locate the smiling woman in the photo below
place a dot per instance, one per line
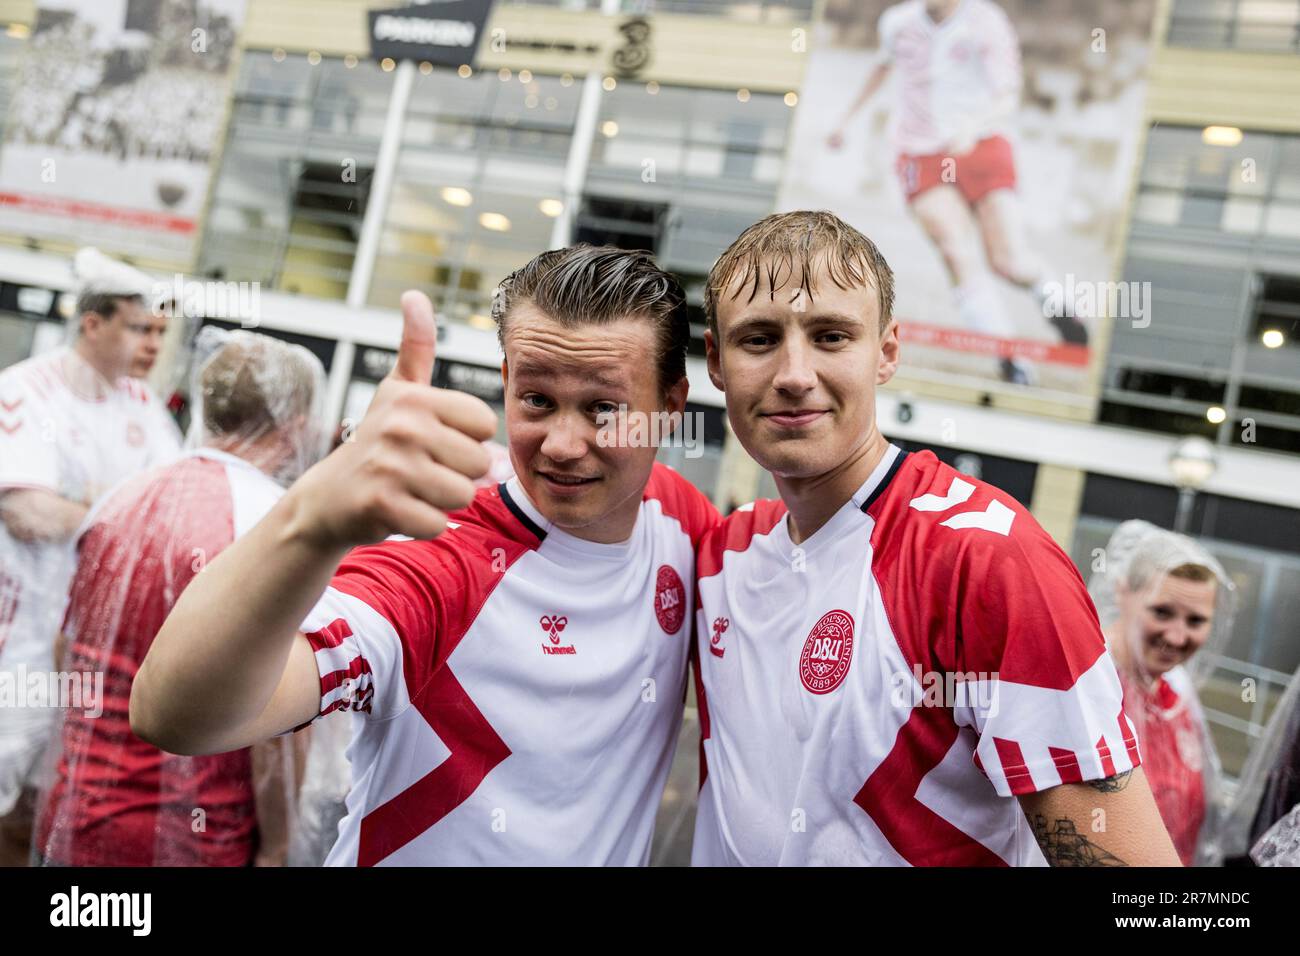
(1166, 607)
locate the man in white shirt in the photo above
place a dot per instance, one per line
(73, 422)
(903, 668)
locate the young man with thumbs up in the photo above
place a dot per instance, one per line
(515, 668)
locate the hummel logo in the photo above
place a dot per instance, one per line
(553, 624)
(720, 625)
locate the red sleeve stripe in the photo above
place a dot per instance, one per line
(356, 667)
(1013, 766)
(1067, 764)
(331, 635)
(330, 640)
(1130, 739)
(342, 702)
(1107, 764)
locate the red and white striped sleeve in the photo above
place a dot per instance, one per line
(374, 629)
(1043, 693)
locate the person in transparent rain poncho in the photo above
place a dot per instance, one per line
(74, 421)
(115, 799)
(1166, 608)
(1264, 820)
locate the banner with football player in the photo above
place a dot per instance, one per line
(987, 147)
(117, 111)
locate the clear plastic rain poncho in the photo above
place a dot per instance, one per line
(1265, 817)
(112, 798)
(1166, 607)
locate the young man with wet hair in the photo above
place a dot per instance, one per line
(898, 666)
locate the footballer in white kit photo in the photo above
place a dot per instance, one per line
(981, 143)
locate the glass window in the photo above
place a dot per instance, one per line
(709, 161)
(1248, 187)
(291, 193)
(1282, 654)
(1264, 25)
(478, 185)
(706, 140)
(770, 11)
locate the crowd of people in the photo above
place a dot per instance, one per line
(70, 96)
(386, 655)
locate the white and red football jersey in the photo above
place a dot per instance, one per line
(116, 800)
(517, 691)
(62, 428)
(831, 734)
(949, 72)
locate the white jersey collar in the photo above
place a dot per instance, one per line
(513, 492)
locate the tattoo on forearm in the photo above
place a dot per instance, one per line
(1112, 784)
(1063, 845)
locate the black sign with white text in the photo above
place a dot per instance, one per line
(442, 32)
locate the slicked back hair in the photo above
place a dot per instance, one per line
(103, 304)
(767, 253)
(593, 285)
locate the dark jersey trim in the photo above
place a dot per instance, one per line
(520, 514)
(884, 482)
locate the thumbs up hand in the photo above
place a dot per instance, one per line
(413, 458)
